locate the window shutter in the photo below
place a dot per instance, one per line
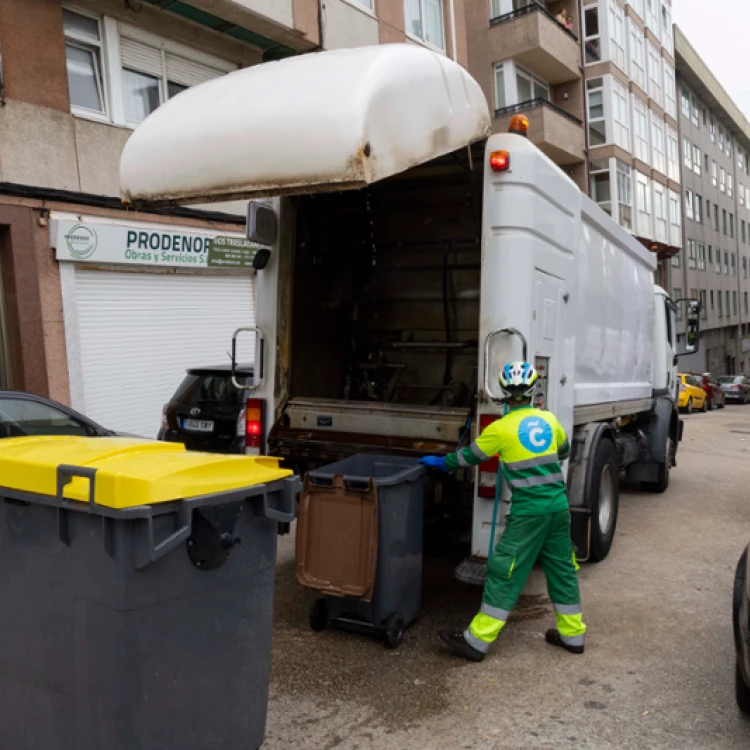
(189, 73)
(141, 57)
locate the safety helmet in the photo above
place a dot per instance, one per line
(518, 380)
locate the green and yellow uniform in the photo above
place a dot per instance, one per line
(530, 443)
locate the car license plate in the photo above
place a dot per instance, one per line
(197, 425)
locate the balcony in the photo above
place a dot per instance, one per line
(556, 132)
(534, 38)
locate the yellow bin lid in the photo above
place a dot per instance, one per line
(129, 471)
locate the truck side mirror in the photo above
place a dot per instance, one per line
(693, 325)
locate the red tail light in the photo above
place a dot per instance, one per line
(682, 387)
(736, 387)
(253, 424)
(488, 470)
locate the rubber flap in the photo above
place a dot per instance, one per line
(127, 472)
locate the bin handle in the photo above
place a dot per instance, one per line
(66, 473)
(285, 512)
(157, 551)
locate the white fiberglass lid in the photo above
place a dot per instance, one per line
(322, 121)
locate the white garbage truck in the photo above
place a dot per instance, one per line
(416, 254)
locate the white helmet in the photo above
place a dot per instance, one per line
(518, 380)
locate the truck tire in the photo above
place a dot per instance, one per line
(604, 494)
(662, 480)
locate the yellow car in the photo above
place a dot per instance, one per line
(692, 395)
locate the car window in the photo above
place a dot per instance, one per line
(21, 417)
(207, 389)
(726, 380)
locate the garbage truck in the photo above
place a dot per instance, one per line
(414, 254)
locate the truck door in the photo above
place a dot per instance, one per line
(549, 306)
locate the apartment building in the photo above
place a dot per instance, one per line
(102, 307)
(713, 266)
(597, 81)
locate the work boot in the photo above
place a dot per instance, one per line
(457, 643)
(553, 637)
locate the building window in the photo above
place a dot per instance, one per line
(701, 256)
(657, 139)
(731, 225)
(716, 217)
(729, 144)
(726, 264)
(726, 299)
(724, 220)
(711, 297)
(643, 202)
(741, 193)
(625, 195)
(530, 87)
(592, 35)
(424, 20)
(660, 213)
(712, 128)
(640, 130)
(744, 266)
(734, 303)
(695, 112)
(730, 185)
(687, 153)
(673, 163)
(637, 56)
(722, 180)
(718, 260)
(696, 159)
(667, 36)
(621, 118)
(675, 236)
(600, 184)
(747, 197)
(734, 265)
(689, 204)
(617, 32)
(719, 298)
(597, 122)
(704, 308)
(670, 104)
(500, 87)
(692, 255)
(740, 159)
(83, 57)
(745, 301)
(655, 74)
(698, 208)
(678, 295)
(708, 211)
(721, 138)
(742, 230)
(685, 100)
(714, 173)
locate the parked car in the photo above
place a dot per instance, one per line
(741, 626)
(208, 413)
(735, 387)
(23, 415)
(692, 396)
(714, 394)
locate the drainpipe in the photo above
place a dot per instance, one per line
(585, 118)
(2, 79)
(453, 29)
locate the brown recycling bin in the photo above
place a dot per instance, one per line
(359, 542)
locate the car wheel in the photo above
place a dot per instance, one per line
(704, 406)
(722, 404)
(689, 407)
(741, 690)
(710, 402)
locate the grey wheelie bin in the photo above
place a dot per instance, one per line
(136, 591)
(359, 542)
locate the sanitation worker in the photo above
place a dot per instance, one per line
(530, 443)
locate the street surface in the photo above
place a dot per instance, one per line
(658, 671)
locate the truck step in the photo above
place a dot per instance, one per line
(472, 570)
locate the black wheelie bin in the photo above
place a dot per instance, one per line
(359, 542)
(136, 582)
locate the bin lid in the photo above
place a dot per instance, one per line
(129, 472)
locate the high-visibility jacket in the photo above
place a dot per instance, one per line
(530, 443)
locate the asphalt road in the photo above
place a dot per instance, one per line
(658, 668)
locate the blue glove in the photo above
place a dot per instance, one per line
(435, 462)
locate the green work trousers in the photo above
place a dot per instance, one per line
(526, 539)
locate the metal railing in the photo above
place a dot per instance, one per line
(532, 7)
(515, 109)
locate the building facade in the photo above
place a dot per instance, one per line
(101, 307)
(713, 266)
(597, 80)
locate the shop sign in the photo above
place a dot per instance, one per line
(231, 252)
(128, 244)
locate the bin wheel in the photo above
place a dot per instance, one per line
(319, 615)
(394, 631)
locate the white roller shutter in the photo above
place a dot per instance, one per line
(141, 57)
(139, 332)
(187, 72)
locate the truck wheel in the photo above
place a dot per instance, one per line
(741, 691)
(604, 492)
(662, 481)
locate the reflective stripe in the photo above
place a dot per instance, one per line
(528, 463)
(495, 612)
(537, 481)
(475, 642)
(573, 640)
(462, 462)
(568, 609)
(478, 452)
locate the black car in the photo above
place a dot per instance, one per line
(23, 415)
(741, 622)
(208, 413)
